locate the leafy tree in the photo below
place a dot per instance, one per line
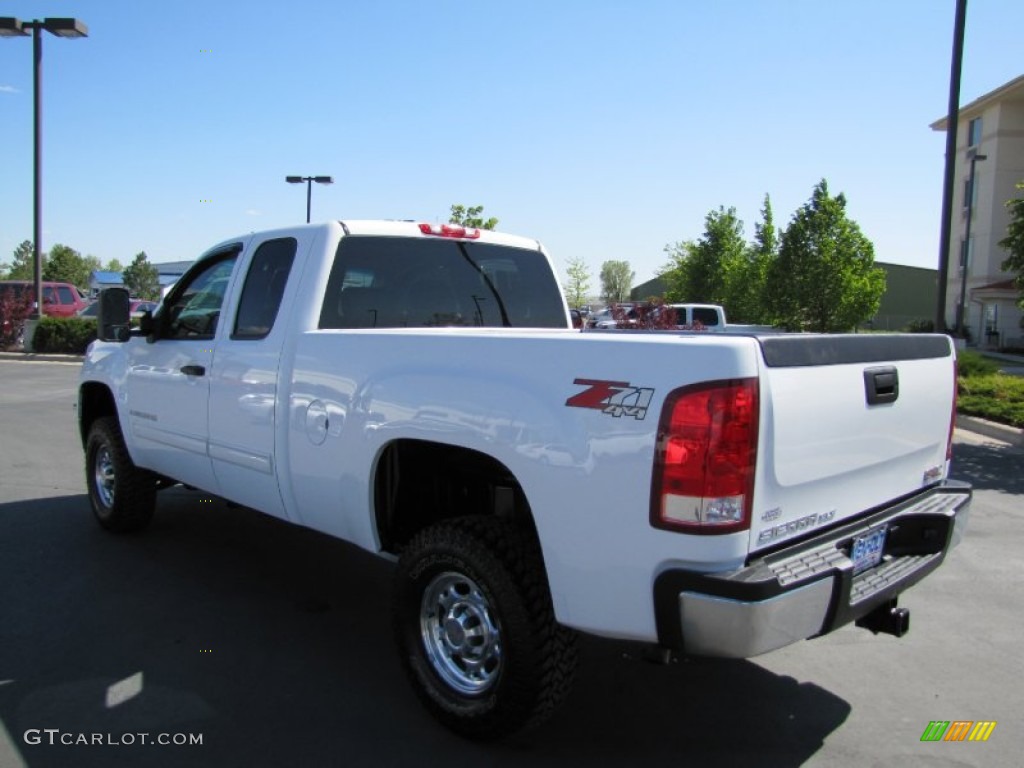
(577, 286)
(674, 274)
(824, 278)
(746, 298)
(1014, 242)
(141, 278)
(21, 267)
(114, 266)
(66, 265)
(471, 217)
(616, 280)
(713, 268)
(766, 236)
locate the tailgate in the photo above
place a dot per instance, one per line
(849, 423)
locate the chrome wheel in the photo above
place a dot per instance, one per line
(104, 476)
(460, 634)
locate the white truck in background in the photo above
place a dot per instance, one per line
(417, 390)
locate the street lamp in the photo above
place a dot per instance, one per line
(309, 186)
(61, 27)
(965, 250)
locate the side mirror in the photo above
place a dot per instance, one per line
(147, 326)
(113, 315)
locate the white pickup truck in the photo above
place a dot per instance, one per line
(417, 389)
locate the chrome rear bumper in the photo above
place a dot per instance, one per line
(809, 588)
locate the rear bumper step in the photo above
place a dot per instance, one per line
(810, 589)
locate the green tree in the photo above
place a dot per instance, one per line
(141, 278)
(66, 265)
(616, 280)
(471, 217)
(746, 295)
(114, 266)
(21, 266)
(1014, 242)
(824, 278)
(674, 274)
(577, 285)
(705, 269)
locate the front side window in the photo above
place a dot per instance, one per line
(264, 287)
(66, 297)
(408, 282)
(193, 310)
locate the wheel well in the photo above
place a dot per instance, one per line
(94, 402)
(419, 482)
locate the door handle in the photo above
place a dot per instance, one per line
(881, 385)
(193, 370)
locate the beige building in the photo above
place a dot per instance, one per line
(990, 138)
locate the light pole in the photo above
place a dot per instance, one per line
(966, 250)
(309, 186)
(12, 27)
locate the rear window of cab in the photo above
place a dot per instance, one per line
(403, 282)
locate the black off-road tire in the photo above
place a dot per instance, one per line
(123, 497)
(491, 575)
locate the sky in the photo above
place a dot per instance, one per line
(607, 130)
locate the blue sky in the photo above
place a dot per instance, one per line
(605, 129)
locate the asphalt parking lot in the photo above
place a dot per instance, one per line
(273, 643)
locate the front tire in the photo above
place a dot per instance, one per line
(123, 497)
(476, 631)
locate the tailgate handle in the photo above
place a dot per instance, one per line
(881, 385)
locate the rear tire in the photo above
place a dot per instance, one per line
(476, 630)
(123, 497)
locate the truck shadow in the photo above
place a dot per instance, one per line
(274, 643)
(989, 466)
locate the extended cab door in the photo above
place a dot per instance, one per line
(244, 409)
(168, 375)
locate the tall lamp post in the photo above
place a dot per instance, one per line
(309, 186)
(61, 27)
(966, 250)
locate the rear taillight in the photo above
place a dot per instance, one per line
(706, 454)
(450, 230)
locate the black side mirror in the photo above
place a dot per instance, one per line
(147, 325)
(113, 315)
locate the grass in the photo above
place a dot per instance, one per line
(984, 392)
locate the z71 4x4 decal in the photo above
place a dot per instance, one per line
(615, 398)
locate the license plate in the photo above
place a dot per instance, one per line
(866, 551)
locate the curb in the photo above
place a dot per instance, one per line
(34, 357)
(1007, 434)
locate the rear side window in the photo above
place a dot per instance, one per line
(264, 287)
(407, 282)
(705, 316)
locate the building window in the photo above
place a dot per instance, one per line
(966, 254)
(974, 132)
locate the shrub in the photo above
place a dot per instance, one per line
(921, 326)
(996, 397)
(14, 310)
(971, 364)
(64, 335)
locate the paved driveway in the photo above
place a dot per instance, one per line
(272, 643)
